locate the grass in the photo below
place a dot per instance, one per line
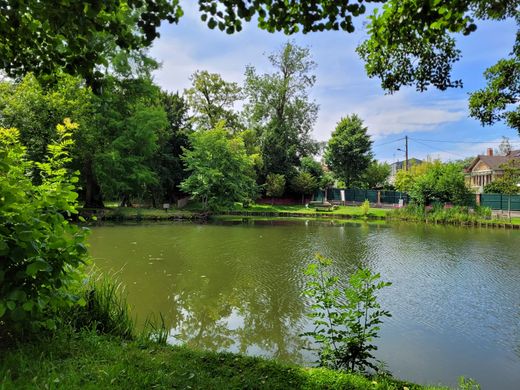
(88, 360)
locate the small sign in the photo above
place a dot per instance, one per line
(166, 206)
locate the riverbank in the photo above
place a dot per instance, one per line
(85, 359)
(296, 211)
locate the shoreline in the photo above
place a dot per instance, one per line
(157, 215)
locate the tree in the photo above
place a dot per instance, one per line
(442, 183)
(166, 162)
(72, 36)
(220, 171)
(411, 42)
(40, 250)
(304, 183)
(508, 183)
(310, 165)
(124, 167)
(274, 186)
(375, 176)
(405, 179)
(348, 153)
(212, 99)
(279, 109)
(499, 99)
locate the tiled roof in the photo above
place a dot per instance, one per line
(494, 162)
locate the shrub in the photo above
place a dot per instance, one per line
(40, 251)
(365, 207)
(346, 320)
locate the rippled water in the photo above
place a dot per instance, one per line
(455, 297)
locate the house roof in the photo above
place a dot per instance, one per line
(493, 162)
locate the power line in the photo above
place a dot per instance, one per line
(389, 142)
(461, 142)
(437, 149)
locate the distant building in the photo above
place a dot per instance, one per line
(399, 165)
(487, 168)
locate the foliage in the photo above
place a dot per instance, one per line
(304, 183)
(35, 110)
(279, 109)
(166, 162)
(499, 99)
(440, 214)
(411, 42)
(405, 179)
(278, 15)
(441, 183)
(220, 171)
(375, 176)
(124, 167)
(365, 208)
(72, 36)
(212, 99)
(310, 165)
(40, 251)
(508, 183)
(274, 185)
(346, 320)
(348, 153)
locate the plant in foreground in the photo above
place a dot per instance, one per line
(346, 320)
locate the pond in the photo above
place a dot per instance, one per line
(236, 286)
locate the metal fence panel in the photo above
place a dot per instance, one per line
(501, 202)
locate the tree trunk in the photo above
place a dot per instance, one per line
(125, 201)
(93, 197)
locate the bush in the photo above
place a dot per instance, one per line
(346, 320)
(365, 208)
(40, 251)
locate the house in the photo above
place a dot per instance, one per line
(399, 165)
(486, 168)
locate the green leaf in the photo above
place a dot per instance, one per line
(2, 309)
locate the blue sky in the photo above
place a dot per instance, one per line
(342, 87)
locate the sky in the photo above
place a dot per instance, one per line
(436, 122)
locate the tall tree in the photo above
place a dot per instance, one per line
(167, 162)
(348, 152)
(220, 171)
(212, 99)
(280, 111)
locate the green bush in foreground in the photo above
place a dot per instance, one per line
(346, 320)
(40, 251)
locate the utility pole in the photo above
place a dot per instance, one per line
(406, 153)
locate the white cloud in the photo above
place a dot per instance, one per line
(389, 114)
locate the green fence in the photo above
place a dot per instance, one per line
(359, 195)
(501, 202)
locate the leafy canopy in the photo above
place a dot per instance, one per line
(280, 111)
(73, 36)
(348, 153)
(220, 171)
(411, 42)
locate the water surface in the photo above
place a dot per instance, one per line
(455, 297)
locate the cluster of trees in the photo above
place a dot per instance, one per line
(434, 181)
(136, 141)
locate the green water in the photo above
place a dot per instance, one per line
(455, 297)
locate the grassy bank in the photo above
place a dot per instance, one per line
(194, 212)
(85, 359)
